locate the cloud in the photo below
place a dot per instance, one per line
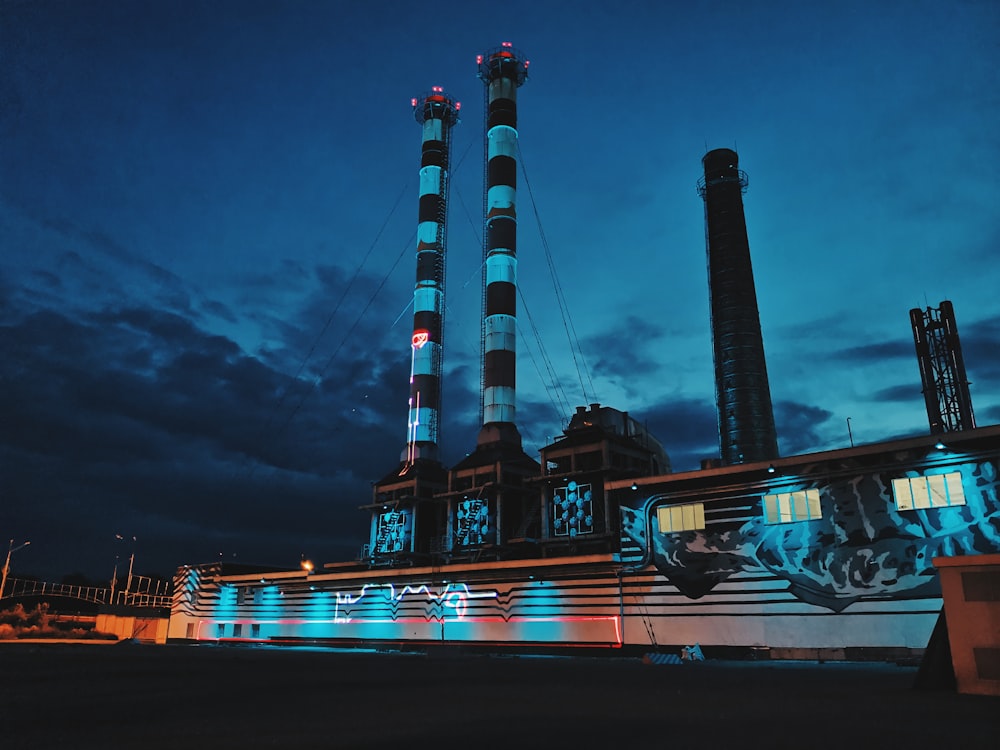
(989, 415)
(623, 354)
(876, 352)
(980, 342)
(903, 393)
(138, 417)
(687, 429)
(799, 426)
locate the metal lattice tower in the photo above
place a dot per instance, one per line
(942, 369)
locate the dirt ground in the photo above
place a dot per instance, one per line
(147, 697)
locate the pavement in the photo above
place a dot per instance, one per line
(129, 695)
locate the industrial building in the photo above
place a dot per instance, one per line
(598, 543)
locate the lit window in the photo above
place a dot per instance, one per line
(674, 518)
(936, 491)
(787, 507)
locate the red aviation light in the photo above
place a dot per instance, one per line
(437, 88)
(458, 106)
(413, 102)
(420, 337)
(506, 44)
(479, 59)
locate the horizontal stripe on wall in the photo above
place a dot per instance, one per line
(427, 360)
(499, 368)
(501, 298)
(501, 266)
(502, 234)
(501, 170)
(429, 320)
(430, 265)
(502, 112)
(429, 388)
(431, 207)
(501, 141)
(430, 180)
(434, 154)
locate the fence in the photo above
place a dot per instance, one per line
(147, 592)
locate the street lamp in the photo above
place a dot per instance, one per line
(11, 549)
(131, 561)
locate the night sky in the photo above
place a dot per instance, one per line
(208, 215)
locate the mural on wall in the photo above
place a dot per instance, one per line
(572, 510)
(474, 524)
(393, 534)
(861, 546)
(384, 600)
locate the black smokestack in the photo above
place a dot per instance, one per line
(746, 418)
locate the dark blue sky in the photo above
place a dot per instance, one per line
(207, 212)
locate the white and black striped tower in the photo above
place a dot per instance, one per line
(502, 70)
(437, 113)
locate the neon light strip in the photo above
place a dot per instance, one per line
(454, 596)
(411, 428)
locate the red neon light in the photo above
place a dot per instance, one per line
(420, 338)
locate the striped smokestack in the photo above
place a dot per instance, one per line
(743, 397)
(502, 70)
(436, 112)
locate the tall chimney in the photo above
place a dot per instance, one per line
(743, 397)
(502, 70)
(436, 112)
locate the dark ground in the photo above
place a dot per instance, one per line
(148, 697)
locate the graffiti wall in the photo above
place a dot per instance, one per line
(828, 552)
(835, 541)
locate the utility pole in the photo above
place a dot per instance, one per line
(128, 580)
(11, 549)
(131, 562)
